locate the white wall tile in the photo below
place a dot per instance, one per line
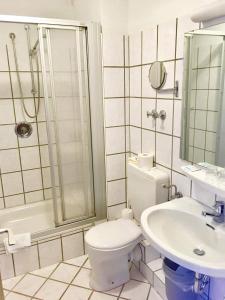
(32, 180)
(135, 82)
(44, 156)
(115, 140)
(46, 174)
(163, 157)
(12, 183)
(115, 166)
(34, 196)
(147, 106)
(42, 132)
(73, 245)
(114, 112)
(182, 182)
(135, 139)
(169, 82)
(165, 126)
(30, 158)
(29, 103)
(166, 40)
(12, 201)
(116, 192)
(50, 252)
(5, 85)
(6, 112)
(135, 112)
(149, 45)
(113, 82)
(6, 266)
(177, 118)
(8, 137)
(147, 90)
(9, 160)
(114, 212)
(148, 141)
(179, 77)
(26, 260)
(177, 162)
(199, 193)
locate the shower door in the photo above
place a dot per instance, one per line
(66, 91)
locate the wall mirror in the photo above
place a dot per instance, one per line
(157, 74)
(203, 107)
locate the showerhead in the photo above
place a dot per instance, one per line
(12, 35)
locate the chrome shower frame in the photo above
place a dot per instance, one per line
(94, 58)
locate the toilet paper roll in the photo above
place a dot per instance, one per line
(145, 160)
(127, 213)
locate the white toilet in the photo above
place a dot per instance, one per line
(111, 245)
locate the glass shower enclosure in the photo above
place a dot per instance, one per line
(70, 58)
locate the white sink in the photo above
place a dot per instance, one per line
(177, 227)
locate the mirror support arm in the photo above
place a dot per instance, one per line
(175, 89)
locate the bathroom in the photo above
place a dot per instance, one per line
(95, 127)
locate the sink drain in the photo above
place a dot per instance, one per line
(199, 252)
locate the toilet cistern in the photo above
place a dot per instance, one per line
(218, 214)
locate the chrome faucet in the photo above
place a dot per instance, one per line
(219, 212)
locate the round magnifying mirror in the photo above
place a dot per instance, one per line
(157, 74)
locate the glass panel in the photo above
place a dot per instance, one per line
(70, 131)
(202, 125)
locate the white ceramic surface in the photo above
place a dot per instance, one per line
(177, 227)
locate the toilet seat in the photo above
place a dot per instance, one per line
(113, 234)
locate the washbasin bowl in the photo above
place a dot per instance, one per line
(179, 231)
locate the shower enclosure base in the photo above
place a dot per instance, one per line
(50, 244)
(32, 218)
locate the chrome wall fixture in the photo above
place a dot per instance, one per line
(155, 115)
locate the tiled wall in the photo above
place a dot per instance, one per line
(25, 172)
(164, 43)
(128, 96)
(116, 123)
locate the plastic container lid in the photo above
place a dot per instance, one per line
(113, 234)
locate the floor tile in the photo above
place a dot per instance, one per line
(29, 285)
(65, 273)
(76, 293)
(115, 292)
(101, 296)
(87, 264)
(45, 272)
(154, 295)
(135, 290)
(77, 261)
(14, 296)
(82, 278)
(155, 264)
(51, 290)
(160, 274)
(135, 274)
(10, 283)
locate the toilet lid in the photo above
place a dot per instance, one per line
(113, 234)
